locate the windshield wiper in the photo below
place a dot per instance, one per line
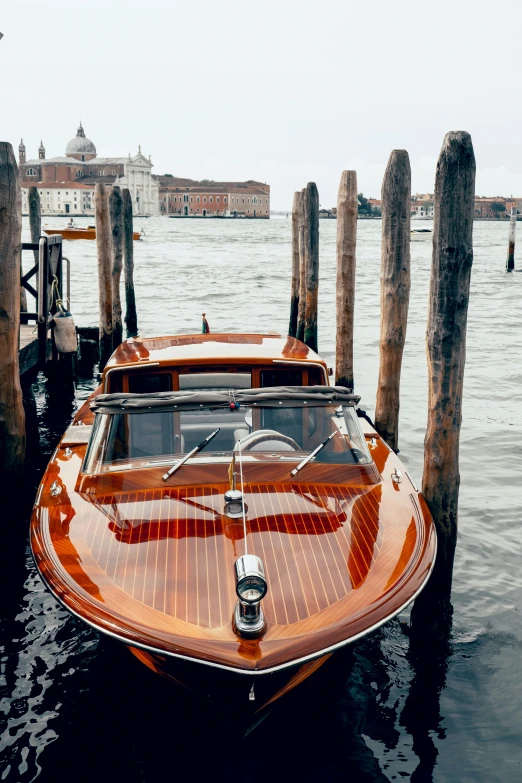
(312, 454)
(181, 462)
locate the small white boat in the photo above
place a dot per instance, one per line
(420, 233)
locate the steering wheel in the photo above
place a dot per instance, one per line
(253, 440)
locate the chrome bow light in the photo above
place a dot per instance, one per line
(234, 503)
(251, 587)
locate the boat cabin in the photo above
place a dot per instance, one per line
(198, 371)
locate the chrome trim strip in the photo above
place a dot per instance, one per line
(411, 481)
(248, 672)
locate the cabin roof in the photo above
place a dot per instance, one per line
(212, 348)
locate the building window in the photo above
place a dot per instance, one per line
(191, 199)
(217, 199)
(79, 173)
(90, 172)
(66, 192)
(210, 199)
(101, 173)
(197, 199)
(204, 199)
(31, 173)
(185, 198)
(225, 200)
(113, 171)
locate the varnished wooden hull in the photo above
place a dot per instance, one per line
(345, 548)
(80, 233)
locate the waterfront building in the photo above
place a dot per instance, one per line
(206, 198)
(66, 184)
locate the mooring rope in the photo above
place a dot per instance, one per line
(55, 293)
(243, 496)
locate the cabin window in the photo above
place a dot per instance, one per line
(140, 383)
(121, 441)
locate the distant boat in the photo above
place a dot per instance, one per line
(76, 232)
(420, 233)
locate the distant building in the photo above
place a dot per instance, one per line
(422, 206)
(206, 198)
(66, 184)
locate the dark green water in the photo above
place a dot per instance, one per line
(75, 706)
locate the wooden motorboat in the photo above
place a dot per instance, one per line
(79, 232)
(239, 568)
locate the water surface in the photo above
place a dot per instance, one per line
(76, 706)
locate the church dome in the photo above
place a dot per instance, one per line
(80, 145)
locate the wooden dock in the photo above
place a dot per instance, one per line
(28, 348)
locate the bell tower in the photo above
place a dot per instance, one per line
(21, 152)
(41, 151)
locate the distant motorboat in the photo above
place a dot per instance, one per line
(77, 232)
(420, 233)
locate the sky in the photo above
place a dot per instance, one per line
(281, 91)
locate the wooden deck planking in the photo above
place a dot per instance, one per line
(28, 348)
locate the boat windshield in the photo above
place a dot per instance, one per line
(130, 440)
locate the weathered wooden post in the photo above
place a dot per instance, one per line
(446, 349)
(116, 216)
(311, 250)
(395, 292)
(294, 294)
(347, 204)
(510, 263)
(103, 244)
(12, 418)
(131, 318)
(301, 305)
(35, 227)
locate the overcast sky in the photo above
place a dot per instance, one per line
(282, 91)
